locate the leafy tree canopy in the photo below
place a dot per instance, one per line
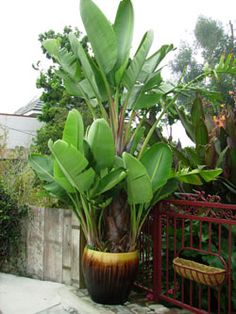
(56, 100)
(211, 41)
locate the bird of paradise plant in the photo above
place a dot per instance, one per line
(109, 174)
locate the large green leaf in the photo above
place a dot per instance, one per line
(153, 61)
(55, 190)
(85, 180)
(80, 89)
(110, 181)
(197, 111)
(70, 162)
(133, 71)
(61, 179)
(66, 59)
(169, 188)
(123, 26)
(158, 162)
(139, 186)
(154, 80)
(73, 133)
(209, 175)
(53, 46)
(187, 124)
(146, 101)
(43, 166)
(201, 133)
(190, 177)
(100, 34)
(136, 139)
(84, 59)
(194, 176)
(101, 142)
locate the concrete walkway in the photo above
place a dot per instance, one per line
(20, 295)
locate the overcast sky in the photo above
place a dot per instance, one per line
(22, 20)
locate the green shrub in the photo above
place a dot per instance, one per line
(11, 218)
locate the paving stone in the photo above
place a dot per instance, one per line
(158, 308)
(59, 309)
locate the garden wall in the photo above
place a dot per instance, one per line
(54, 246)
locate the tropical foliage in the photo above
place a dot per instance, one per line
(215, 140)
(110, 174)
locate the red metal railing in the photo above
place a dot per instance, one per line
(203, 232)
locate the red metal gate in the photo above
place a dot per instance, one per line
(199, 233)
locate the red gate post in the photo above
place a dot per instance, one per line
(157, 247)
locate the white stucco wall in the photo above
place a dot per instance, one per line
(19, 130)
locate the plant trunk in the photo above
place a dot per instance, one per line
(116, 224)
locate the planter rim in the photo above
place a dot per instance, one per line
(125, 256)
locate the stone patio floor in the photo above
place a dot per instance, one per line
(20, 295)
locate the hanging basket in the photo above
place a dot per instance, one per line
(203, 274)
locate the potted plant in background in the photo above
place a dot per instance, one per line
(109, 174)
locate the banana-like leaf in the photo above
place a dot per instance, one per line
(87, 69)
(110, 181)
(123, 26)
(62, 180)
(100, 33)
(101, 142)
(85, 180)
(133, 71)
(73, 133)
(191, 178)
(158, 162)
(53, 46)
(201, 133)
(169, 188)
(57, 191)
(146, 101)
(43, 166)
(194, 176)
(153, 61)
(118, 163)
(209, 175)
(139, 186)
(80, 89)
(154, 80)
(99, 80)
(82, 182)
(197, 111)
(70, 161)
(188, 126)
(136, 140)
(70, 64)
(66, 59)
(72, 87)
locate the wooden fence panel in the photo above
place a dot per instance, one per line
(35, 243)
(75, 250)
(53, 246)
(66, 248)
(53, 234)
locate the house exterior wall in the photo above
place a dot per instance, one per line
(18, 131)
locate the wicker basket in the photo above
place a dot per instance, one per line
(203, 274)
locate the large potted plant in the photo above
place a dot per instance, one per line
(109, 174)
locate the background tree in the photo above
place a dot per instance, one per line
(56, 100)
(211, 41)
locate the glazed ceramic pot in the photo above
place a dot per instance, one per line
(109, 276)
